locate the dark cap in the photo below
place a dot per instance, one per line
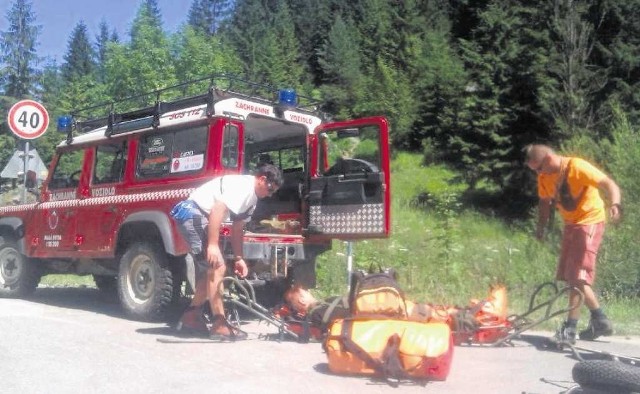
(271, 172)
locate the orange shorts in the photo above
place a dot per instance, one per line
(580, 244)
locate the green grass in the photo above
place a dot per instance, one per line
(67, 280)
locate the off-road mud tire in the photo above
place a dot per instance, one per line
(607, 376)
(145, 282)
(19, 276)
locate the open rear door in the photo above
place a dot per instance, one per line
(349, 189)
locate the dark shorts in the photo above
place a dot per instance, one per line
(193, 226)
(580, 244)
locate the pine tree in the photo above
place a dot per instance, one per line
(143, 65)
(264, 38)
(569, 101)
(312, 21)
(505, 62)
(18, 45)
(206, 16)
(79, 59)
(102, 41)
(82, 87)
(280, 61)
(198, 56)
(617, 52)
(341, 63)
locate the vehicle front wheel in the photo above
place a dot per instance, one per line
(145, 282)
(19, 277)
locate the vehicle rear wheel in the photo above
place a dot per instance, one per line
(19, 276)
(145, 282)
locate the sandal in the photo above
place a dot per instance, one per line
(192, 322)
(222, 330)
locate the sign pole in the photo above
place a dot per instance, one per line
(24, 175)
(349, 265)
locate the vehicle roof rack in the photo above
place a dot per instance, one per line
(118, 118)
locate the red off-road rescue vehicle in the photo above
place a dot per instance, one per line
(104, 208)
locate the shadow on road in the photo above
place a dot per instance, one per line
(540, 342)
(93, 300)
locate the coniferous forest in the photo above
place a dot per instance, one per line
(465, 83)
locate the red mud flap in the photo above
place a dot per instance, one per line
(390, 348)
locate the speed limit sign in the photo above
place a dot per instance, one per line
(28, 119)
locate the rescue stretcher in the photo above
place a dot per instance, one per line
(239, 295)
(517, 324)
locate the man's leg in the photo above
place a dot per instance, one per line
(575, 299)
(599, 324)
(590, 237)
(192, 319)
(200, 293)
(215, 289)
(590, 299)
(566, 272)
(221, 329)
(193, 231)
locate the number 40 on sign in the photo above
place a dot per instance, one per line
(28, 119)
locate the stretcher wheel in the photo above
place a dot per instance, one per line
(608, 376)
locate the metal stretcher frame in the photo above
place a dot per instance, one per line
(239, 293)
(522, 322)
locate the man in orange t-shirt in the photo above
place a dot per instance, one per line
(574, 186)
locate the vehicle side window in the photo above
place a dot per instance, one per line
(350, 151)
(287, 159)
(67, 172)
(110, 163)
(177, 152)
(230, 143)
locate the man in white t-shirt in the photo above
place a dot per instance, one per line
(226, 198)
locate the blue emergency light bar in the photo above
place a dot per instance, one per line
(287, 97)
(64, 123)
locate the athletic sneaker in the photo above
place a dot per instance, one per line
(564, 336)
(596, 328)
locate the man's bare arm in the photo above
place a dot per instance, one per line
(611, 189)
(217, 215)
(545, 205)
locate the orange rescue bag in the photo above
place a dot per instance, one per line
(390, 348)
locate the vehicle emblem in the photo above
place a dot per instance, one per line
(53, 220)
(157, 142)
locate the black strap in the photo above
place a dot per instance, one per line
(332, 306)
(389, 366)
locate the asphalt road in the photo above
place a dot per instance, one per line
(73, 340)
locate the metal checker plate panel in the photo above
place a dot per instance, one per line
(349, 219)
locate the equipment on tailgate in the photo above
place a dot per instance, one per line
(377, 294)
(389, 348)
